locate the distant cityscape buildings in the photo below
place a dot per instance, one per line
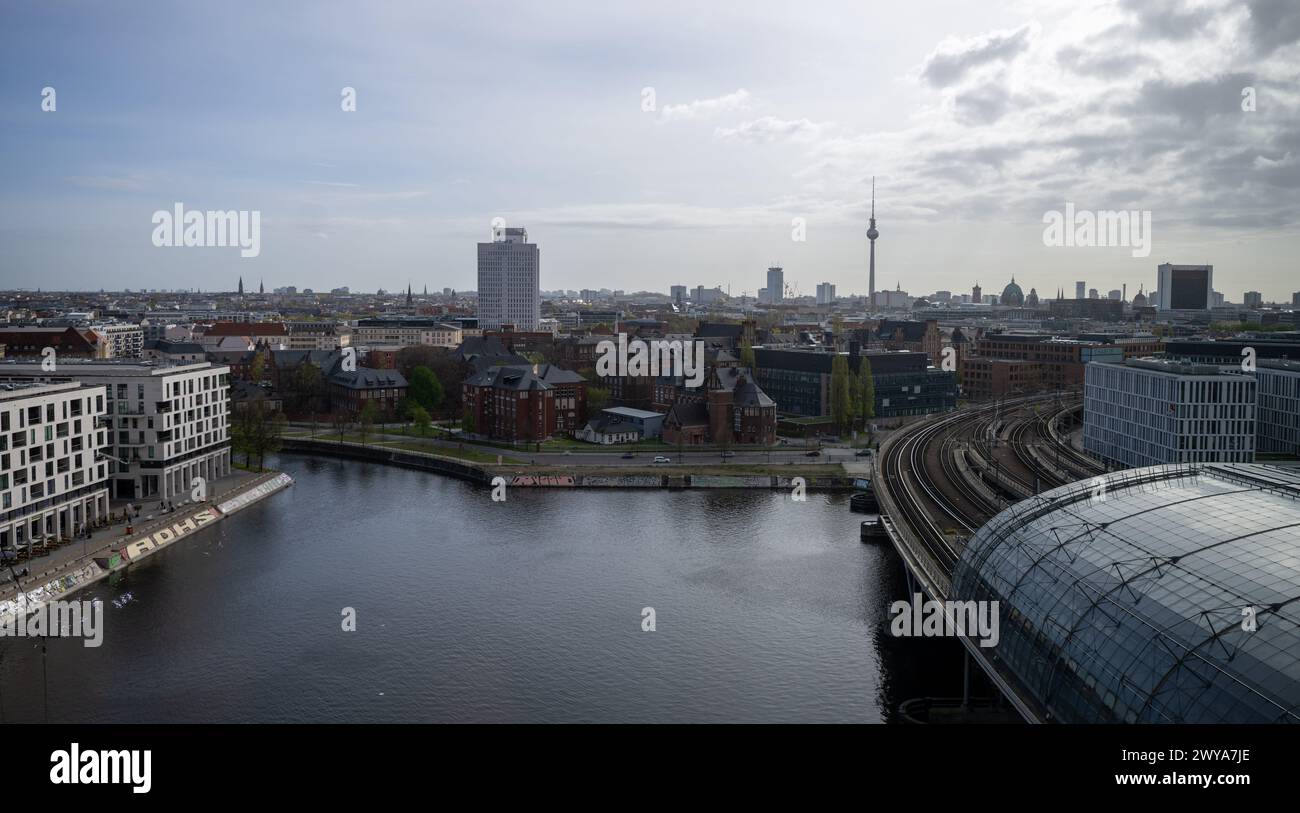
(509, 291)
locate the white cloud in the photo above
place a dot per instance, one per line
(703, 108)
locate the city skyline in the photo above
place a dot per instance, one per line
(975, 132)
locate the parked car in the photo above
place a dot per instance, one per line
(661, 459)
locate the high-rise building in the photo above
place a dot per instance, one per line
(825, 293)
(1184, 287)
(975, 293)
(678, 293)
(1295, 299)
(1253, 299)
(1079, 289)
(509, 281)
(1146, 412)
(775, 284)
(1115, 293)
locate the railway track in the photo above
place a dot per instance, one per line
(942, 513)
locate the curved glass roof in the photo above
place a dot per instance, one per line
(1128, 598)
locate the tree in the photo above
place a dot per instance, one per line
(256, 432)
(747, 356)
(597, 399)
(257, 368)
(535, 357)
(866, 392)
(449, 371)
(420, 418)
(841, 401)
(305, 387)
(468, 424)
(367, 419)
(425, 389)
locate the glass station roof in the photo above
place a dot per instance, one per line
(1161, 594)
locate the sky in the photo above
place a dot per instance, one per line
(650, 144)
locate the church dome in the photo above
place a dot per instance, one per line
(1012, 295)
(1140, 301)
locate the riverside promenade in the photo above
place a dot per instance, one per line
(73, 565)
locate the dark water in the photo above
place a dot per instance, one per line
(469, 610)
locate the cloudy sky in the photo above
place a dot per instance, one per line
(975, 118)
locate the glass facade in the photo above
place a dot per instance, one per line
(1160, 594)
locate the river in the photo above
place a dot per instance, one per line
(765, 610)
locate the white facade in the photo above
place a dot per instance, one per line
(1278, 417)
(119, 341)
(52, 477)
(826, 293)
(509, 281)
(167, 423)
(407, 333)
(1148, 412)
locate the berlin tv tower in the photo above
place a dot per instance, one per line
(872, 234)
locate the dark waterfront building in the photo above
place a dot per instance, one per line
(1131, 607)
(1229, 351)
(799, 381)
(1102, 310)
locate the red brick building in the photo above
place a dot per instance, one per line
(525, 403)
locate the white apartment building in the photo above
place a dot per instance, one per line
(52, 477)
(120, 340)
(1278, 416)
(168, 424)
(509, 281)
(826, 293)
(1146, 412)
(318, 335)
(406, 333)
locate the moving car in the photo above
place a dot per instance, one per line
(628, 455)
(813, 453)
(661, 459)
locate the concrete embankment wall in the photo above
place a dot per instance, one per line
(482, 475)
(396, 457)
(80, 574)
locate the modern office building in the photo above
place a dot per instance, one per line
(509, 281)
(1123, 599)
(775, 284)
(52, 477)
(167, 423)
(1184, 287)
(1278, 416)
(1253, 299)
(799, 381)
(1146, 412)
(825, 293)
(1079, 288)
